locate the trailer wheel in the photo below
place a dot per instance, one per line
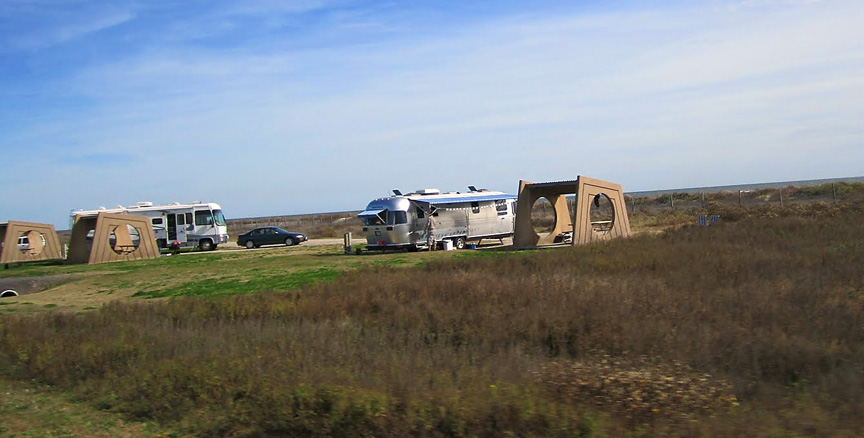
(289, 241)
(459, 243)
(250, 244)
(205, 245)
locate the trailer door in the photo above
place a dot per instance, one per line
(180, 223)
(506, 220)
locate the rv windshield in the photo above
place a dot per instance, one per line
(372, 220)
(205, 217)
(220, 218)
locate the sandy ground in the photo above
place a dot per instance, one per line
(232, 246)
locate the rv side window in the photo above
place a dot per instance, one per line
(203, 218)
(181, 219)
(188, 218)
(420, 213)
(475, 207)
(157, 221)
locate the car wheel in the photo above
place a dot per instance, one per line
(250, 244)
(289, 241)
(459, 243)
(205, 245)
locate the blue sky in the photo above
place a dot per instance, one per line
(287, 107)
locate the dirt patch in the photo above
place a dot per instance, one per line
(29, 285)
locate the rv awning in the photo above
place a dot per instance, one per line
(461, 199)
(370, 213)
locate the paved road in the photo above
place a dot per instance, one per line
(232, 246)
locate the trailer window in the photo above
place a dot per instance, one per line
(420, 213)
(401, 217)
(501, 207)
(475, 207)
(157, 221)
(181, 219)
(188, 218)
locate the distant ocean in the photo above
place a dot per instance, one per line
(737, 187)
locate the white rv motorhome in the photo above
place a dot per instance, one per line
(182, 225)
(428, 217)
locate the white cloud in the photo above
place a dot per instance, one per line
(652, 99)
(47, 32)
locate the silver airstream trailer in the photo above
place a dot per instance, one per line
(428, 217)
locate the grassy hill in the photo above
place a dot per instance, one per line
(749, 327)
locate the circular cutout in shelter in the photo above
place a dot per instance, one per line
(543, 216)
(31, 242)
(602, 214)
(124, 239)
(8, 293)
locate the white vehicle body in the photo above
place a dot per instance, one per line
(198, 224)
(403, 221)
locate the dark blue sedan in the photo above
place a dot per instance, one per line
(269, 236)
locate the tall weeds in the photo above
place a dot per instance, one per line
(761, 320)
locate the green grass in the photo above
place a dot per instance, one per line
(35, 411)
(210, 274)
(210, 288)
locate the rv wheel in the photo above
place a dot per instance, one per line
(250, 244)
(205, 245)
(459, 243)
(289, 241)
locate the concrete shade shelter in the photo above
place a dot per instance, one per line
(587, 191)
(112, 239)
(43, 243)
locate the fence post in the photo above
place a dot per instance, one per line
(703, 199)
(781, 197)
(672, 201)
(346, 243)
(834, 192)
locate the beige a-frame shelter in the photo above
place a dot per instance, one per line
(112, 241)
(586, 190)
(42, 242)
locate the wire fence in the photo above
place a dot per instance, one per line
(781, 196)
(316, 225)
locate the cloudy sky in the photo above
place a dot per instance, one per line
(285, 107)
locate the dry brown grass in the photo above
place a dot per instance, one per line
(771, 306)
(638, 388)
